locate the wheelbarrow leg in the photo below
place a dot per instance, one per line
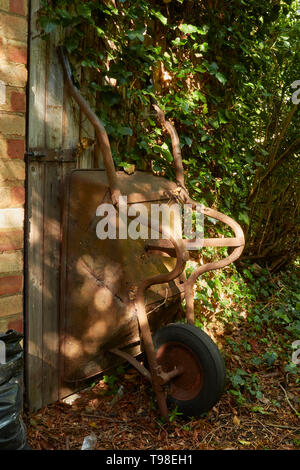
(155, 369)
(189, 303)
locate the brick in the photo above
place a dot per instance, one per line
(11, 285)
(3, 147)
(11, 124)
(11, 240)
(4, 197)
(11, 322)
(18, 102)
(11, 218)
(11, 305)
(4, 323)
(13, 27)
(17, 54)
(2, 93)
(11, 170)
(13, 74)
(17, 6)
(17, 196)
(11, 262)
(15, 148)
(12, 99)
(16, 323)
(4, 5)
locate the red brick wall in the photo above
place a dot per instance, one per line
(13, 77)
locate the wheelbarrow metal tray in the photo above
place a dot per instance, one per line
(99, 277)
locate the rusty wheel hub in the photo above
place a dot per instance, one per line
(188, 384)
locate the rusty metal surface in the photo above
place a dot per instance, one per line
(142, 370)
(165, 246)
(52, 155)
(175, 145)
(102, 275)
(187, 383)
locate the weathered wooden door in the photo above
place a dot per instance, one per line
(55, 127)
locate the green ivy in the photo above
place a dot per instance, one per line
(227, 71)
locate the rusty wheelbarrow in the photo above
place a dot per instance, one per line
(116, 291)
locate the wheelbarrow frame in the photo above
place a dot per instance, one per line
(178, 248)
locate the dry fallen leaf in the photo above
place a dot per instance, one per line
(129, 169)
(245, 443)
(236, 420)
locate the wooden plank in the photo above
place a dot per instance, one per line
(51, 288)
(87, 155)
(66, 169)
(54, 95)
(34, 282)
(87, 130)
(70, 121)
(34, 221)
(37, 77)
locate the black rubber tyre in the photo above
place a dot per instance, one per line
(201, 384)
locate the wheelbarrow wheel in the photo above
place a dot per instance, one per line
(201, 382)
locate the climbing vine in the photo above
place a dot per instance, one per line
(222, 71)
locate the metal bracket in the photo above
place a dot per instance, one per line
(52, 155)
(34, 154)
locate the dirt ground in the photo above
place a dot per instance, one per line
(132, 421)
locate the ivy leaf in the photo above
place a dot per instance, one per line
(100, 31)
(125, 131)
(188, 141)
(270, 357)
(71, 44)
(199, 96)
(178, 42)
(137, 34)
(214, 123)
(221, 78)
(204, 47)
(239, 68)
(64, 14)
(222, 118)
(244, 217)
(212, 68)
(84, 9)
(190, 29)
(48, 26)
(164, 151)
(159, 16)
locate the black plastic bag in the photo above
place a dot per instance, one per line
(12, 428)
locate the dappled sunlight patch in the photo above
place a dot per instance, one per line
(74, 349)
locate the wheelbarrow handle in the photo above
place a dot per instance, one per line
(101, 134)
(237, 242)
(175, 145)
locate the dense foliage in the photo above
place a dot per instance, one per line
(223, 73)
